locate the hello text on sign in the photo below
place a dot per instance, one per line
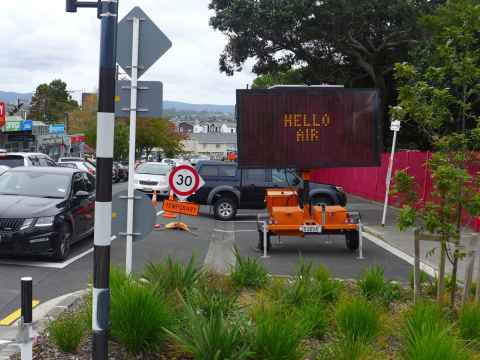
(308, 126)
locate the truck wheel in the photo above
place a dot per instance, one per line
(225, 209)
(321, 200)
(260, 241)
(352, 239)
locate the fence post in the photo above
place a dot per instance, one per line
(416, 266)
(471, 255)
(25, 327)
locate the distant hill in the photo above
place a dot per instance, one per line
(11, 97)
(181, 106)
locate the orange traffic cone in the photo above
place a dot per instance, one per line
(154, 199)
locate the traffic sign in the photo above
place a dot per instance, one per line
(144, 216)
(150, 99)
(185, 181)
(180, 207)
(153, 43)
(395, 125)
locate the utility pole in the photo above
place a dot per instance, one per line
(108, 14)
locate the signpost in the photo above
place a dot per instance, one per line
(140, 44)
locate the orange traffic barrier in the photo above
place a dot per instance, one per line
(169, 215)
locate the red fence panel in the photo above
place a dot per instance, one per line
(370, 183)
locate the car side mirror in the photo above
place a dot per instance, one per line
(80, 195)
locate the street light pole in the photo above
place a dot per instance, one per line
(107, 13)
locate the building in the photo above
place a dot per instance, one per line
(185, 128)
(213, 145)
(224, 127)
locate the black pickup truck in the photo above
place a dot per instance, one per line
(228, 188)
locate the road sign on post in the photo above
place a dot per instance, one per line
(153, 43)
(140, 44)
(185, 181)
(149, 99)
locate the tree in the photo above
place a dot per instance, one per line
(350, 42)
(290, 77)
(440, 93)
(51, 102)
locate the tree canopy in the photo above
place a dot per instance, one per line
(349, 42)
(51, 101)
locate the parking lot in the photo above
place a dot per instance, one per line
(211, 242)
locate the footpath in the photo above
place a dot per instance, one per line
(401, 243)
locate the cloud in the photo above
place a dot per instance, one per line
(41, 42)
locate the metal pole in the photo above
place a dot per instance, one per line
(360, 235)
(26, 319)
(131, 153)
(389, 178)
(103, 206)
(265, 241)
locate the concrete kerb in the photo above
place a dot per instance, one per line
(42, 316)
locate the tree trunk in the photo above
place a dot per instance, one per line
(441, 272)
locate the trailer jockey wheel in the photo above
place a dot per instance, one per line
(352, 239)
(260, 241)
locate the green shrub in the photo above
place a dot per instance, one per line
(277, 335)
(210, 301)
(427, 335)
(248, 273)
(315, 318)
(171, 276)
(424, 279)
(357, 320)
(469, 322)
(372, 283)
(211, 337)
(67, 331)
(139, 316)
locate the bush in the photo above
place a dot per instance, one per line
(469, 322)
(67, 331)
(372, 283)
(211, 337)
(139, 317)
(171, 276)
(315, 318)
(277, 335)
(210, 301)
(424, 279)
(357, 320)
(427, 335)
(248, 273)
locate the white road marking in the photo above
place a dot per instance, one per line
(3, 342)
(400, 254)
(220, 257)
(49, 265)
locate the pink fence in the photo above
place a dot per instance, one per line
(370, 183)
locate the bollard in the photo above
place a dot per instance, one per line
(25, 326)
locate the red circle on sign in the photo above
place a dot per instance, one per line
(195, 176)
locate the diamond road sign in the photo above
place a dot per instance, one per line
(153, 43)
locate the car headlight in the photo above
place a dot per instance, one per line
(26, 224)
(339, 188)
(44, 221)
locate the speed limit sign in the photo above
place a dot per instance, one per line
(185, 181)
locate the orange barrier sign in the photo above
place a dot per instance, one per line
(185, 208)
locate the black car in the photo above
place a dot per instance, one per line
(44, 210)
(228, 188)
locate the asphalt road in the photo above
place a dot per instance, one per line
(210, 241)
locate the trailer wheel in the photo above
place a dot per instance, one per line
(352, 239)
(260, 241)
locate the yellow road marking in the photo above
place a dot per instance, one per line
(14, 316)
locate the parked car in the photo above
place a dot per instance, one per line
(3, 169)
(43, 210)
(228, 188)
(152, 176)
(80, 165)
(16, 159)
(122, 171)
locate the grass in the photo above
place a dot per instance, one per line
(171, 276)
(138, 316)
(427, 336)
(277, 335)
(248, 273)
(211, 337)
(67, 331)
(372, 283)
(315, 318)
(469, 322)
(357, 320)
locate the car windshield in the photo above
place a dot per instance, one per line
(153, 169)
(12, 160)
(36, 184)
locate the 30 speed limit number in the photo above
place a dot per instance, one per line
(184, 180)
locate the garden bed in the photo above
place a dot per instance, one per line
(178, 312)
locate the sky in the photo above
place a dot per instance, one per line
(42, 43)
